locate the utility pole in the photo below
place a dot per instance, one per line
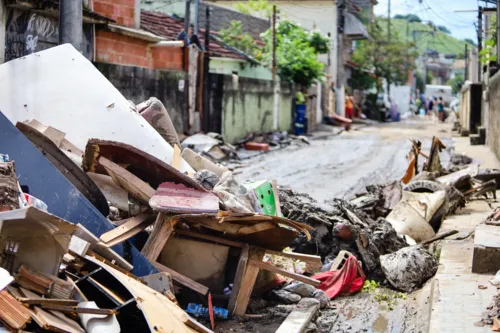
(479, 41)
(187, 17)
(466, 64)
(276, 83)
(70, 23)
(498, 32)
(206, 78)
(388, 79)
(340, 93)
(196, 13)
(274, 42)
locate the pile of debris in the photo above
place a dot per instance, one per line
(122, 227)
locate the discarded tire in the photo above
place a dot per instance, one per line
(429, 186)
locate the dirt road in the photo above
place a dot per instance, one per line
(343, 165)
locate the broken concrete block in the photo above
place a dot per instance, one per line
(299, 319)
(486, 256)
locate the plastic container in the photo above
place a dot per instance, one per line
(199, 310)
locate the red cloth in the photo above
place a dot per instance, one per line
(345, 281)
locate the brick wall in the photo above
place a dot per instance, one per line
(122, 11)
(114, 48)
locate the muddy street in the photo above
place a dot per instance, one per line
(340, 166)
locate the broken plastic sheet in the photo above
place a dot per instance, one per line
(59, 87)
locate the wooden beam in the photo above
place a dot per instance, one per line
(214, 239)
(132, 227)
(176, 159)
(233, 228)
(47, 301)
(293, 276)
(238, 278)
(181, 279)
(76, 309)
(297, 256)
(128, 181)
(163, 229)
(248, 282)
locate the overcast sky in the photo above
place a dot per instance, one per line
(441, 12)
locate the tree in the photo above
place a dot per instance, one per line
(408, 17)
(255, 6)
(420, 80)
(469, 41)
(456, 83)
(234, 36)
(444, 29)
(391, 61)
(296, 52)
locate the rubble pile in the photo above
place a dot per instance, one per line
(122, 227)
(492, 313)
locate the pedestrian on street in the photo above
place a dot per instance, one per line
(430, 106)
(349, 106)
(440, 110)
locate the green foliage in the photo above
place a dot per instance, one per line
(383, 59)
(408, 17)
(487, 54)
(456, 83)
(420, 80)
(439, 41)
(444, 29)
(319, 42)
(234, 36)
(255, 6)
(382, 295)
(296, 53)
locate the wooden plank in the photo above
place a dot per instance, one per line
(248, 282)
(300, 317)
(176, 159)
(233, 228)
(163, 229)
(14, 291)
(54, 135)
(293, 276)
(190, 322)
(78, 246)
(47, 301)
(99, 248)
(107, 262)
(78, 295)
(297, 256)
(76, 309)
(56, 322)
(13, 313)
(157, 309)
(131, 183)
(238, 278)
(129, 229)
(183, 280)
(214, 239)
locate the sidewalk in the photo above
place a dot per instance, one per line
(457, 302)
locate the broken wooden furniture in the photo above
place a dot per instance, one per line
(194, 249)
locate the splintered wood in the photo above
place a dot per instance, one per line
(12, 313)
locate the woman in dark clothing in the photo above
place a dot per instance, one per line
(440, 109)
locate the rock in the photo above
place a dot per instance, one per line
(300, 288)
(408, 268)
(311, 328)
(322, 297)
(286, 297)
